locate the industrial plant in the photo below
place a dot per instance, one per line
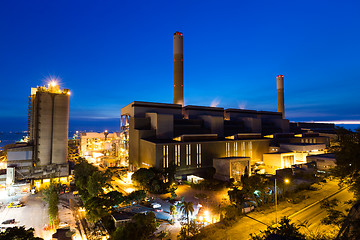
(234, 142)
(43, 154)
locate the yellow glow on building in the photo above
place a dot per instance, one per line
(37, 183)
(63, 179)
(269, 136)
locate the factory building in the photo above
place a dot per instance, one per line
(195, 139)
(45, 153)
(323, 162)
(164, 135)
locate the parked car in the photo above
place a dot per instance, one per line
(63, 224)
(9, 221)
(15, 205)
(155, 205)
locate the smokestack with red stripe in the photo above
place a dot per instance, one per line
(280, 95)
(178, 69)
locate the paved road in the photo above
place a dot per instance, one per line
(315, 214)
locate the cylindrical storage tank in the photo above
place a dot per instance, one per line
(44, 120)
(178, 69)
(60, 128)
(280, 95)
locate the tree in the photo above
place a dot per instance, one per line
(347, 153)
(91, 183)
(136, 196)
(237, 197)
(172, 192)
(173, 212)
(51, 196)
(140, 228)
(19, 233)
(334, 217)
(96, 208)
(142, 177)
(114, 198)
(82, 171)
(189, 230)
(283, 231)
(187, 208)
(255, 187)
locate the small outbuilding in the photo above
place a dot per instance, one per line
(324, 162)
(122, 217)
(63, 234)
(231, 167)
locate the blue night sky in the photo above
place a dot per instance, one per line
(110, 53)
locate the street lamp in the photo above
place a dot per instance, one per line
(286, 180)
(106, 133)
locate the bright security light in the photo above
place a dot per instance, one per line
(53, 83)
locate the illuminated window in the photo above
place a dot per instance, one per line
(227, 149)
(250, 148)
(198, 155)
(235, 149)
(314, 140)
(177, 155)
(288, 161)
(165, 156)
(243, 149)
(188, 154)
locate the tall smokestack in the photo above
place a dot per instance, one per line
(280, 94)
(178, 69)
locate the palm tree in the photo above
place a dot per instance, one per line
(187, 208)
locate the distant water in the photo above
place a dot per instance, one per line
(10, 137)
(352, 127)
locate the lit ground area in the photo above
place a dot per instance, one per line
(214, 197)
(34, 214)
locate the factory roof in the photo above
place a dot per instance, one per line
(154, 104)
(166, 141)
(193, 107)
(325, 155)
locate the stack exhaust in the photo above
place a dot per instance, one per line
(280, 94)
(178, 69)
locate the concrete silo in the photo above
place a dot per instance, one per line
(48, 125)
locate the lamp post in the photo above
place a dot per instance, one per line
(275, 203)
(285, 181)
(106, 133)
